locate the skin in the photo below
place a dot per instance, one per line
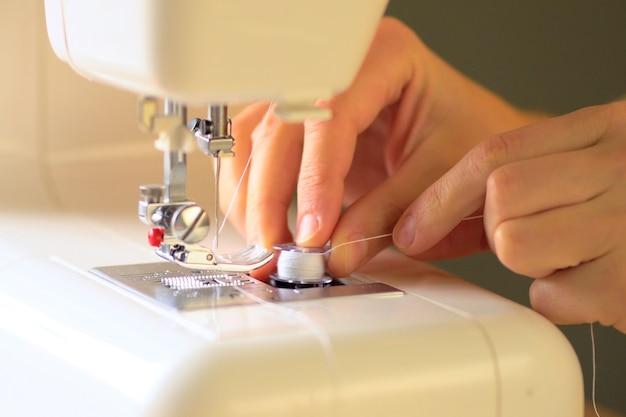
(415, 147)
(554, 200)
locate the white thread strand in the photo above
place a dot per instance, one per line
(243, 175)
(232, 200)
(303, 265)
(384, 235)
(218, 169)
(359, 240)
(593, 370)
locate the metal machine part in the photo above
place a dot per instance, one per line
(213, 136)
(190, 224)
(186, 289)
(178, 224)
(201, 258)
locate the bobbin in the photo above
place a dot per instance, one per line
(300, 267)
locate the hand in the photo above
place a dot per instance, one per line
(406, 119)
(554, 198)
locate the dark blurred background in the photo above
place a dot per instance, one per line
(551, 55)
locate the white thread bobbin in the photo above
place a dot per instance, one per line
(304, 266)
(301, 266)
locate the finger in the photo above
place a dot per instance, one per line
(376, 212)
(358, 223)
(329, 145)
(462, 190)
(532, 186)
(540, 244)
(595, 291)
(467, 238)
(369, 167)
(233, 185)
(272, 179)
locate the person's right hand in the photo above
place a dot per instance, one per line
(553, 198)
(406, 119)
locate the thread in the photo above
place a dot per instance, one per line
(236, 191)
(308, 264)
(224, 219)
(384, 235)
(301, 265)
(245, 171)
(216, 212)
(296, 263)
(360, 240)
(593, 370)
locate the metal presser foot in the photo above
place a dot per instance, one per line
(198, 257)
(178, 225)
(177, 230)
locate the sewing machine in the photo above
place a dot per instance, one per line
(92, 322)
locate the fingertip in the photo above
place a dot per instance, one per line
(550, 298)
(268, 238)
(263, 273)
(337, 267)
(348, 257)
(404, 233)
(307, 230)
(410, 237)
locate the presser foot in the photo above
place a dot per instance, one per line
(193, 256)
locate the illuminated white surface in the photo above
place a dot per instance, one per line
(444, 346)
(200, 51)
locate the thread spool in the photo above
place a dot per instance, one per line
(301, 267)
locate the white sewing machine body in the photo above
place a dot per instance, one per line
(400, 338)
(75, 344)
(201, 52)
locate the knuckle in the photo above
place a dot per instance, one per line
(492, 153)
(506, 252)
(501, 184)
(317, 187)
(616, 114)
(509, 243)
(314, 180)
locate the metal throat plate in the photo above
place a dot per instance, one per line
(184, 289)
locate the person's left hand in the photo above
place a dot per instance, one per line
(554, 201)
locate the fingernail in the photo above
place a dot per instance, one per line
(404, 233)
(307, 228)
